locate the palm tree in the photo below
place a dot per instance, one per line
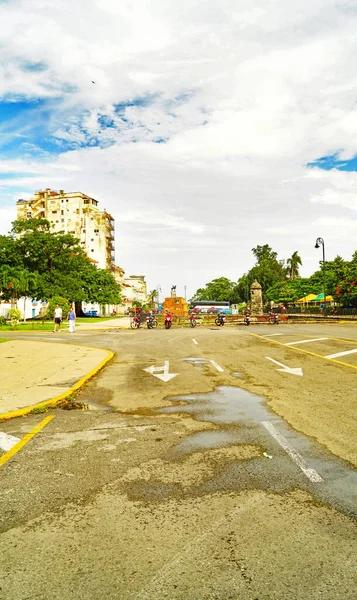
(293, 264)
(17, 282)
(151, 297)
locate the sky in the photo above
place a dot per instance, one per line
(209, 128)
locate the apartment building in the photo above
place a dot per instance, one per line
(78, 214)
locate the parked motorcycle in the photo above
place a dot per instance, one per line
(220, 320)
(193, 320)
(151, 322)
(274, 318)
(135, 322)
(168, 320)
(247, 320)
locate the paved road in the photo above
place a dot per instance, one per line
(209, 471)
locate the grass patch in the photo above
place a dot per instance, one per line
(95, 319)
(39, 410)
(3, 340)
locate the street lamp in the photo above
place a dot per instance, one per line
(320, 242)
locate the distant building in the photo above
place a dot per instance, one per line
(134, 289)
(77, 214)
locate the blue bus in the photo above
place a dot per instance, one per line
(211, 307)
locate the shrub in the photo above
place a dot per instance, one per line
(15, 315)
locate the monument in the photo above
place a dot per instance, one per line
(256, 298)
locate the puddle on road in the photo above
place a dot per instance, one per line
(238, 416)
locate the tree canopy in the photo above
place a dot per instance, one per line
(281, 282)
(39, 263)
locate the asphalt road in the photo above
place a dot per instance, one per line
(210, 467)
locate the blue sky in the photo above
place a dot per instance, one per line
(205, 133)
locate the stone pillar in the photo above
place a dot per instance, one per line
(256, 298)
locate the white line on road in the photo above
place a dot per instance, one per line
(195, 342)
(305, 341)
(341, 353)
(295, 456)
(216, 366)
(7, 441)
(272, 334)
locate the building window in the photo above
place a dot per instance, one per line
(62, 220)
(96, 231)
(92, 250)
(83, 230)
(28, 215)
(92, 240)
(54, 212)
(86, 201)
(66, 200)
(77, 211)
(94, 202)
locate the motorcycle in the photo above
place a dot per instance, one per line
(247, 320)
(274, 318)
(220, 320)
(193, 320)
(151, 322)
(168, 320)
(135, 322)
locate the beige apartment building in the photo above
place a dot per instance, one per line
(78, 214)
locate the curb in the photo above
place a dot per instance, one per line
(53, 401)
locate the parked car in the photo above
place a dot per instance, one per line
(91, 313)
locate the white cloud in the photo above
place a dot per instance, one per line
(244, 96)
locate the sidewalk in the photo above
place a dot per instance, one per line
(123, 323)
(36, 372)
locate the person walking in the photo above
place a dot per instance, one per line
(57, 318)
(71, 318)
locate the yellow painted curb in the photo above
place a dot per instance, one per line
(53, 401)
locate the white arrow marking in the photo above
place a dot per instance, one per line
(161, 372)
(195, 342)
(7, 441)
(285, 369)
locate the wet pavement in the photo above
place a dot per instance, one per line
(241, 419)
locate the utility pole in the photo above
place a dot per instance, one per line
(185, 288)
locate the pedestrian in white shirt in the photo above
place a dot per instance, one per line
(57, 318)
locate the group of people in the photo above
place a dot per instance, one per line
(58, 318)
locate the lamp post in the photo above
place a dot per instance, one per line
(320, 242)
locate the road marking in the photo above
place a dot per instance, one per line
(285, 369)
(216, 366)
(337, 362)
(341, 353)
(294, 455)
(274, 334)
(28, 437)
(305, 341)
(161, 372)
(7, 441)
(195, 342)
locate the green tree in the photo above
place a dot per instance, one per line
(268, 270)
(52, 303)
(293, 264)
(219, 290)
(291, 290)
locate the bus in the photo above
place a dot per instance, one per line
(210, 306)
